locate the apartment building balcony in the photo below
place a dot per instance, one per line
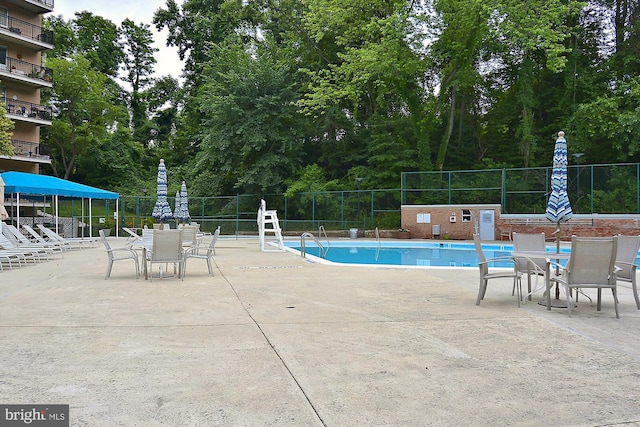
(31, 152)
(24, 72)
(25, 33)
(28, 112)
(36, 6)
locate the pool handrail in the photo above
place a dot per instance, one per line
(303, 249)
(322, 231)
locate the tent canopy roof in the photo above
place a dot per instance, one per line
(44, 185)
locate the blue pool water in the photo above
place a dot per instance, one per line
(433, 254)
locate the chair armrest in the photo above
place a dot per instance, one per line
(124, 248)
(632, 265)
(500, 259)
(196, 248)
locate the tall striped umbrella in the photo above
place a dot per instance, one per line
(183, 214)
(559, 207)
(162, 210)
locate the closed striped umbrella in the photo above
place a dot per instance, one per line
(184, 204)
(558, 206)
(162, 210)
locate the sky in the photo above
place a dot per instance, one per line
(139, 12)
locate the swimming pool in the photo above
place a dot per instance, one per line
(405, 254)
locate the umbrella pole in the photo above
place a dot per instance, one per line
(557, 233)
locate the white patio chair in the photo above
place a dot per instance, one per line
(626, 255)
(592, 265)
(485, 275)
(166, 249)
(189, 237)
(113, 255)
(203, 251)
(524, 242)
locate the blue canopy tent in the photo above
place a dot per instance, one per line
(21, 183)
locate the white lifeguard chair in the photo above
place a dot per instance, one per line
(269, 227)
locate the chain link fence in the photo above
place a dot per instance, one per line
(592, 189)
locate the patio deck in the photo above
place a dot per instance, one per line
(274, 340)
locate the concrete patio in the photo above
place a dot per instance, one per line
(275, 340)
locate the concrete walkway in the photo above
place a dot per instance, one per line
(274, 340)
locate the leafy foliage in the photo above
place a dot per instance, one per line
(278, 93)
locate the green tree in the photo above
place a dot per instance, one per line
(249, 138)
(98, 41)
(85, 112)
(369, 73)
(455, 55)
(138, 65)
(530, 37)
(6, 132)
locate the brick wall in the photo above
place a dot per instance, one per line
(454, 226)
(579, 226)
(453, 222)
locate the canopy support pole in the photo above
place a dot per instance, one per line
(90, 220)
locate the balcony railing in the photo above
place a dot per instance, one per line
(31, 149)
(48, 3)
(27, 29)
(28, 109)
(27, 69)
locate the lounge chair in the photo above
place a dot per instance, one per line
(485, 275)
(132, 234)
(112, 254)
(523, 242)
(9, 248)
(626, 255)
(592, 264)
(23, 242)
(36, 237)
(77, 242)
(203, 251)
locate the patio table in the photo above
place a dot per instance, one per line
(549, 257)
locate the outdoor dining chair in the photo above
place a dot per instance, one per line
(485, 275)
(626, 255)
(203, 251)
(529, 242)
(118, 254)
(165, 249)
(189, 237)
(592, 264)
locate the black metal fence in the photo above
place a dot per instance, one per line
(334, 210)
(602, 189)
(611, 188)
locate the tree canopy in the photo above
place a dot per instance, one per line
(277, 93)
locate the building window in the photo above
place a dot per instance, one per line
(466, 215)
(4, 17)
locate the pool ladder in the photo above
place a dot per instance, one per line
(303, 248)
